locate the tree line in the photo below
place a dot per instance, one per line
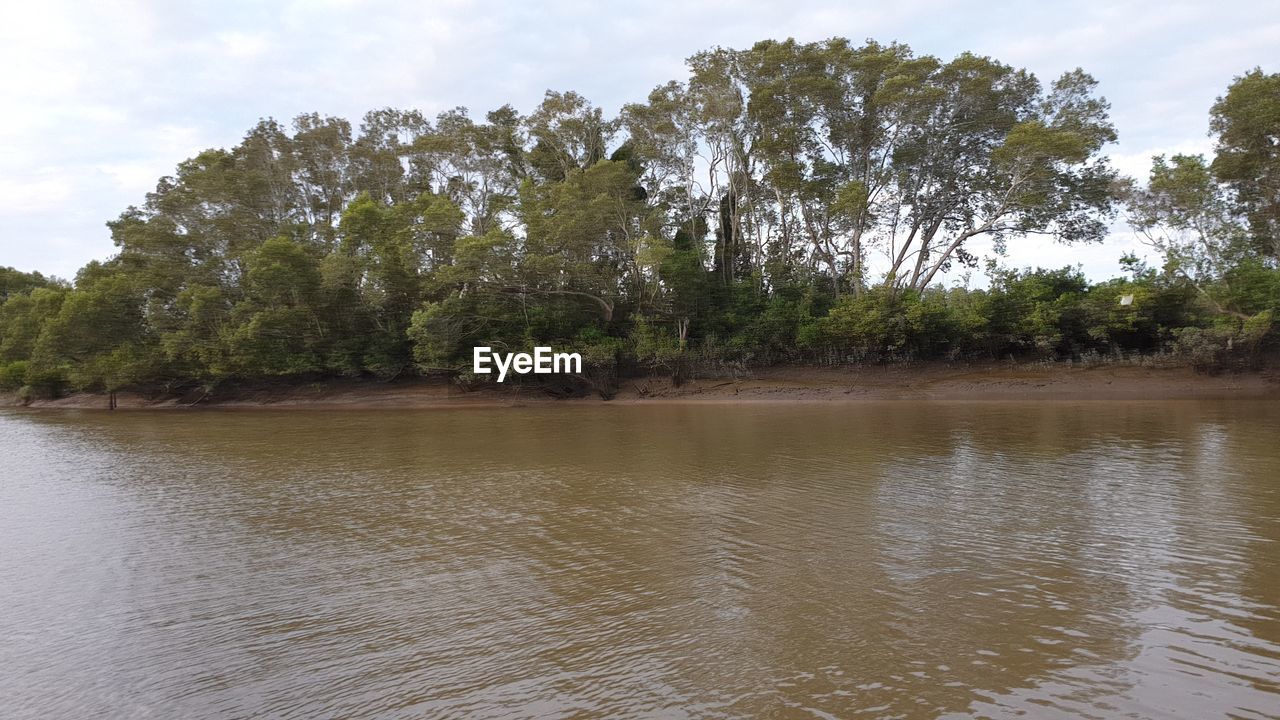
(790, 202)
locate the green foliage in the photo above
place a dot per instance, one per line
(1031, 313)
(437, 336)
(13, 375)
(15, 282)
(655, 344)
(1251, 287)
(725, 221)
(884, 324)
(1225, 347)
(1185, 215)
(1205, 349)
(1247, 122)
(1256, 330)
(97, 338)
(23, 316)
(772, 333)
(276, 328)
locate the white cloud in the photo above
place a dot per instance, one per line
(1138, 164)
(102, 99)
(35, 194)
(242, 45)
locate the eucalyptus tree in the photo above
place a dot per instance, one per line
(874, 95)
(1184, 214)
(737, 205)
(998, 157)
(664, 140)
(1247, 123)
(719, 97)
(664, 137)
(379, 275)
(568, 133)
(827, 119)
(476, 166)
(584, 236)
(382, 158)
(322, 172)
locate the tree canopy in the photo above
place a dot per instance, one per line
(788, 201)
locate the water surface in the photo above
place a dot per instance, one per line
(905, 560)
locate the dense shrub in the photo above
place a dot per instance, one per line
(13, 375)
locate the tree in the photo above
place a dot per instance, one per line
(727, 218)
(98, 339)
(1247, 123)
(276, 329)
(999, 158)
(14, 282)
(1186, 216)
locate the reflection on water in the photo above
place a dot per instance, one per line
(872, 560)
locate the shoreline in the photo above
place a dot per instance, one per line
(781, 384)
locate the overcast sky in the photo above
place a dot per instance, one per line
(98, 100)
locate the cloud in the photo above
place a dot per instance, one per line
(37, 194)
(1138, 164)
(102, 99)
(244, 46)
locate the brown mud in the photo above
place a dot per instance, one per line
(786, 384)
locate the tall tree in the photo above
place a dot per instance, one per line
(1186, 215)
(1247, 123)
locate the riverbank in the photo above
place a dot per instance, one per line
(779, 384)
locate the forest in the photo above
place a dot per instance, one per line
(787, 203)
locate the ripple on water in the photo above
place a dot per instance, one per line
(878, 560)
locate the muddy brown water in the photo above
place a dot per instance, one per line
(897, 559)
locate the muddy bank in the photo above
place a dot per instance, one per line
(779, 384)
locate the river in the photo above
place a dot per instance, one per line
(877, 559)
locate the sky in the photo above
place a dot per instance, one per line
(99, 100)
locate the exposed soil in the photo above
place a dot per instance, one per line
(779, 384)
